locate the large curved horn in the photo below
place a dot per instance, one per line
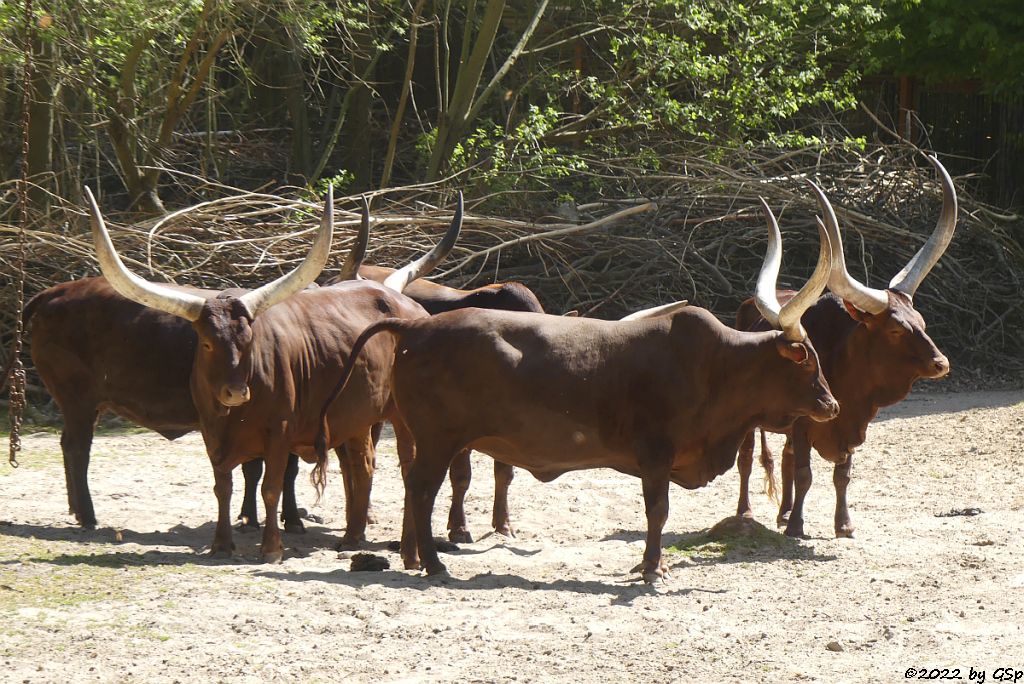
(350, 269)
(656, 311)
(793, 310)
(131, 286)
(261, 299)
(909, 279)
(787, 317)
(401, 278)
(840, 281)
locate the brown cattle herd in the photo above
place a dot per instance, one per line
(670, 395)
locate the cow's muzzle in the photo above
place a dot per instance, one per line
(234, 395)
(938, 367)
(825, 410)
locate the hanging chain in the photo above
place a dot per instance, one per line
(17, 403)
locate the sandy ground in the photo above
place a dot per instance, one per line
(139, 599)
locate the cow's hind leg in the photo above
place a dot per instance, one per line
(76, 444)
(461, 474)
(222, 542)
(357, 471)
(802, 480)
(745, 464)
(503, 474)
(841, 480)
(655, 471)
(252, 471)
(788, 477)
(421, 484)
(289, 506)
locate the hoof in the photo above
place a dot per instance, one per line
(782, 520)
(222, 550)
(844, 532)
(244, 525)
(652, 576)
(748, 514)
(295, 527)
(348, 544)
(505, 531)
(795, 530)
(273, 557)
(411, 564)
(461, 536)
(438, 572)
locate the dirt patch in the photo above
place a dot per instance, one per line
(914, 589)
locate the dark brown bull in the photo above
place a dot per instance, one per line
(260, 369)
(665, 398)
(97, 351)
(436, 298)
(873, 347)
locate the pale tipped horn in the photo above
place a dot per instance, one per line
(787, 318)
(793, 310)
(656, 311)
(765, 297)
(131, 286)
(909, 279)
(401, 278)
(261, 299)
(350, 269)
(840, 281)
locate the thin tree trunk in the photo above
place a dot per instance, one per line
(403, 98)
(41, 115)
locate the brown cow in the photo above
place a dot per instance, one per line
(437, 298)
(665, 398)
(260, 370)
(97, 351)
(873, 347)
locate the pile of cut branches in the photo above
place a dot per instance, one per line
(704, 241)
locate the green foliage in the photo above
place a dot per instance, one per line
(948, 40)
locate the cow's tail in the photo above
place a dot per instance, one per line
(320, 443)
(771, 485)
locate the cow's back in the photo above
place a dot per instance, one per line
(96, 350)
(437, 298)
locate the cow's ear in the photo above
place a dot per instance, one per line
(856, 314)
(794, 351)
(573, 313)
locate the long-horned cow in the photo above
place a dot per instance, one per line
(873, 347)
(260, 370)
(664, 398)
(97, 351)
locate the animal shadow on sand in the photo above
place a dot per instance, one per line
(623, 589)
(733, 540)
(193, 543)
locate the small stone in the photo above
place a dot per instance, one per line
(835, 646)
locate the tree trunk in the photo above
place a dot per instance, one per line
(41, 110)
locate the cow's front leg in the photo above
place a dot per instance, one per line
(655, 471)
(222, 542)
(841, 480)
(275, 461)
